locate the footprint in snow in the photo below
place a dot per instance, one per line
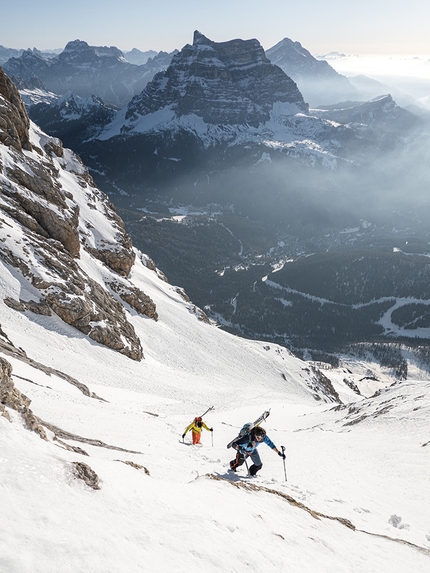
(361, 510)
(396, 521)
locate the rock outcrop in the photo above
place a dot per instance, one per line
(87, 474)
(50, 199)
(14, 399)
(14, 122)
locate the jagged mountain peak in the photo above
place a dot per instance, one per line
(75, 45)
(30, 64)
(316, 79)
(138, 57)
(292, 46)
(221, 95)
(232, 49)
(231, 52)
(77, 50)
(82, 51)
(290, 53)
(223, 83)
(199, 38)
(30, 53)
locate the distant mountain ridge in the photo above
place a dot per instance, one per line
(382, 112)
(216, 104)
(87, 70)
(317, 80)
(71, 118)
(138, 57)
(6, 53)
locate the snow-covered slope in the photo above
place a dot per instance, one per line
(355, 498)
(94, 473)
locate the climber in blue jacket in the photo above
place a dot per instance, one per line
(247, 445)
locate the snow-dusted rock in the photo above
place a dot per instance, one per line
(53, 220)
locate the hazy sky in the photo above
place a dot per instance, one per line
(321, 26)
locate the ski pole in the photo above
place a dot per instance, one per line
(212, 436)
(283, 459)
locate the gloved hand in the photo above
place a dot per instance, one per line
(183, 436)
(282, 455)
(212, 429)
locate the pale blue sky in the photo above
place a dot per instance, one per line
(361, 26)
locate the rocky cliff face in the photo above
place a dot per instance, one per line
(223, 83)
(51, 218)
(14, 122)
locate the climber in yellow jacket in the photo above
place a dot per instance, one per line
(196, 429)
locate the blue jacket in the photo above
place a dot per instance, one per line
(248, 444)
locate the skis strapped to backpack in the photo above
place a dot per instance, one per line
(208, 410)
(250, 426)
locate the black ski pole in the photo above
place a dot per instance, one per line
(283, 459)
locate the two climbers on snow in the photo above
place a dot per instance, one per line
(196, 429)
(246, 444)
(246, 447)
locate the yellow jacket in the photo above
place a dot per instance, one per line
(193, 426)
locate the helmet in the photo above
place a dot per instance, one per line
(259, 432)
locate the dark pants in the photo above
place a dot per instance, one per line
(240, 460)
